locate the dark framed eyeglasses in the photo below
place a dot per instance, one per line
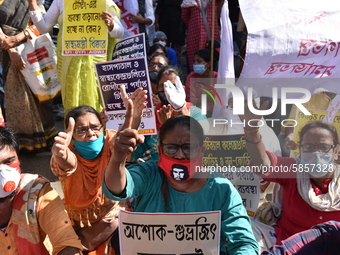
(4, 199)
(323, 147)
(151, 65)
(83, 130)
(172, 149)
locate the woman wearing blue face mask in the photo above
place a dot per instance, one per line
(201, 80)
(161, 39)
(311, 183)
(79, 157)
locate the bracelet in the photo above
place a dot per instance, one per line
(251, 132)
(252, 141)
(26, 33)
(178, 109)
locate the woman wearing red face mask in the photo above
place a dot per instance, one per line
(180, 149)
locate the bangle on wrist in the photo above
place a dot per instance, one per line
(26, 33)
(251, 132)
(178, 109)
(252, 142)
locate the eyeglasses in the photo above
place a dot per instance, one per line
(151, 65)
(172, 149)
(310, 147)
(4, 199)
(83, 130)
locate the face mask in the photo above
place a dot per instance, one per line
(317, 164)
(162, 97)
(161, 43)
(9, 178)
(90, 149)
(179, 170)
(153, 76)
(199, 69)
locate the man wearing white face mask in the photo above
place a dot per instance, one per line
(311, 184)
(30, 209)
(161, 39)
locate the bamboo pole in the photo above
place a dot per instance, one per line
(212, 39)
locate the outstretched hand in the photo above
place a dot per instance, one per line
(175, 94)
(127, 138)
(138, 98)
(164, 113)
(63, 140)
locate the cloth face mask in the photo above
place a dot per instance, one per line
(90, 149)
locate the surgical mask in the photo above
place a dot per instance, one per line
(317, 164)
(153, 76)
(161, 43)
(90, 149)
(162, 97)
(9, 178)
(199, 69)
(178, 170)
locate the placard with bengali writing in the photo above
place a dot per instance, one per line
(169, 233)
(227, 155)
(225, 150)
(133, 74)
(131, 47)
(84, 31)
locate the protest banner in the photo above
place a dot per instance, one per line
(291, 44)
(133, 74)
(84, 31)
(169, 233)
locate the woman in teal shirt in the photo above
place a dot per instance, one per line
(181, 144)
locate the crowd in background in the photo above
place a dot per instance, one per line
(179, 38)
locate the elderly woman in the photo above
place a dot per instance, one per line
(310, 183)
(79, 158)
(181, 140)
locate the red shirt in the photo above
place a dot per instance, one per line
(297, 215)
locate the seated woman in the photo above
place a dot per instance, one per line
(167, 108)
(201, 79)
(156, 48)
(161, 39)
(181, 144)
(172, 96)
(155, 64)
(80, 155)
(311, 186)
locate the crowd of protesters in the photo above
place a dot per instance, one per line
(102, 171)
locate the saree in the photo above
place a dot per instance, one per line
(32, 122)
